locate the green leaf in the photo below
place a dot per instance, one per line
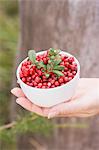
(53, 51)
(52, 57)
(58, 67)
(56, 62)
(58, 73)
(49, 67)
(47, 75)
(32, 56)
(41, 65)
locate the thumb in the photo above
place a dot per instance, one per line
(65, 109)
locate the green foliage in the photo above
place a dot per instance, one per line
(59, 73)
(30, 123)
(32, 56)
(53, 64)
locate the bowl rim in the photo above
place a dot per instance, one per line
(49, 89)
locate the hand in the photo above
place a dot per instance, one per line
(85, 102)
(25, 103)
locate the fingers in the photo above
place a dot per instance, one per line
(71, 107)
(17, 92)
(25, 103)
(83, 113)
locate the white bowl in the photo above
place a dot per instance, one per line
(52, 96)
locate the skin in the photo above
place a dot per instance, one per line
(84, 103)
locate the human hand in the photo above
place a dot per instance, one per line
(25, 103)
(84, 103)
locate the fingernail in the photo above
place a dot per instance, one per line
(12, 91)
(17, 101)
(52, 114)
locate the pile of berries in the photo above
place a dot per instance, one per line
(36, 74)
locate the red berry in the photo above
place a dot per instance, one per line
(21, 74)
(70, 59)
(31, 71)
(43, 77)
(70, 78)
(56, 83)
(74, 72)
(65, 73)
(45, 60)
(52, 81)
(70, 74)
(52, 86)
(24, 79)
(62, 83)
(44, 83)
(43, 87)
(37, 79)
(36, 74)
(29, 79)
(28, 63)
(39, 85)
(66, 79)
(33, 76)
(30, 84)
(39, 72)
(35, 84)
(24, 63)
(27, 83)
(49, 84)
(62, 63)
(26, 72)
(61, 80)
(66, 69)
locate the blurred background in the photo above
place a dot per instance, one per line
(39, 24)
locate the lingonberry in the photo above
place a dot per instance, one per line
(43, 87)
(56, 83)
(29, 79)
(44, 83)
(45, 60)
(31, 71)
(66, 79)
(74, 72)
(70, 78)
(39, 72)
(34, 76)
(70, 74)
(24, 79)
(26, 72)
(52, 81)
(53, 86)
(71, 59)
(39, 85)
(49, 84)
(37, 79)
(61, 80)
(30, 84)
(21, 74)
(35, 83)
